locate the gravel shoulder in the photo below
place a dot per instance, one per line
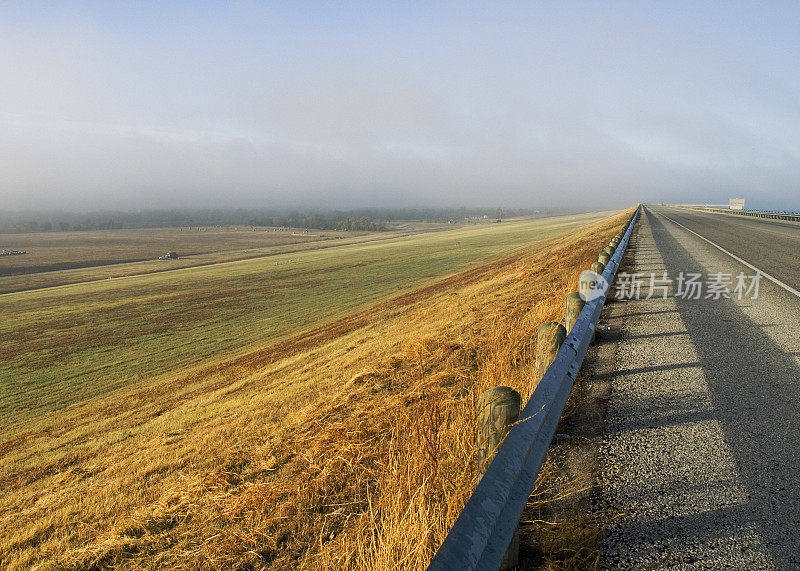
(700, 460)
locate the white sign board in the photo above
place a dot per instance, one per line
(736, 203)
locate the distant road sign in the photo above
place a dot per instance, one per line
(736, 203)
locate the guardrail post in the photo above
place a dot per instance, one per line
(548, 340)
(498, 410)
(573, 307)
(603, 258)
(598, 267)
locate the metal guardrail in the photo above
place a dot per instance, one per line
(485, 528)
(791, 216)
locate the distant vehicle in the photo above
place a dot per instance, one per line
(169, 256)
(5, 252)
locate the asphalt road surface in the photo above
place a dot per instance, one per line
(702, 451)
(772, 246)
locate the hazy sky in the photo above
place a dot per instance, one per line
(109, 105)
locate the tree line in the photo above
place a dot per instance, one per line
(361, 219)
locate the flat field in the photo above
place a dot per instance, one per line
(57, 258)
(311, 409)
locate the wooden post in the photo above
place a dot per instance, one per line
(598, 268)
(498, 410)
(548, 340)
(572, 310)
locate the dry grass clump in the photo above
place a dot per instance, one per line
(353, 453)
(557, 527)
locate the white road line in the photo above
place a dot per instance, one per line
(775, 280)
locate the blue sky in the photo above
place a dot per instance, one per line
(314, 104)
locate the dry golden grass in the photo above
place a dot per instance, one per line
(349, 450)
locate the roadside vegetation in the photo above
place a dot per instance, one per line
(346, 445)
(64, 345)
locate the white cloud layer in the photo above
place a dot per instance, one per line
(145, 106)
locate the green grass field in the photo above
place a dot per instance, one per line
(49, 251)
(60, 258)
(64, 345)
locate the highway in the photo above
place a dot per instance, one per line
(772, 246)
(701, 460)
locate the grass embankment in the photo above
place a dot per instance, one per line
(65, 345)
(348, 446)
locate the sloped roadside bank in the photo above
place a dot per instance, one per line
(352, 453)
